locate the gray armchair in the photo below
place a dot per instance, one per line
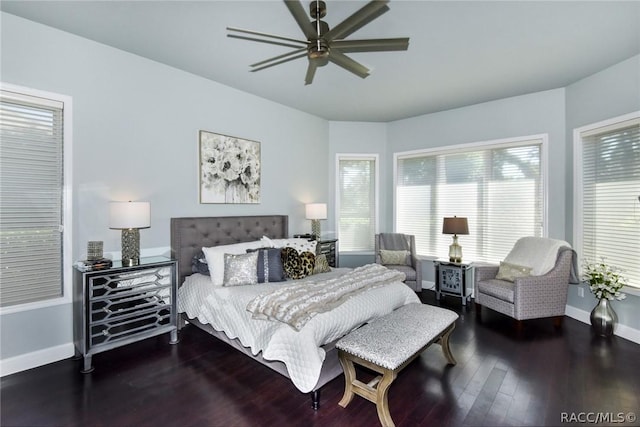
(529, 296)
(409, 265)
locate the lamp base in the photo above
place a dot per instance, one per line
(315, 228)
(455, 251)
(130, 247)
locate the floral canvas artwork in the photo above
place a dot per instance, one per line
(229, 169)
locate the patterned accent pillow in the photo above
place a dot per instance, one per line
(240, 269)
(295, 265)
(307, 263)
(199, 263)
(510, 272)
(300, 245)
(394, 257)
(322, 265)
(269, 265)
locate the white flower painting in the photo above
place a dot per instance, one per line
(229, 169)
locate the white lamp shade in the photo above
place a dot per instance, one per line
(316, 211)
(124, 215)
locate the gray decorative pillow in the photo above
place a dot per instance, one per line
(394, 257)
(322, 265)
(510, 272)
(240, 269)
(199, 264)
(269, 265)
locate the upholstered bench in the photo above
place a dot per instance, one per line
(387, 345)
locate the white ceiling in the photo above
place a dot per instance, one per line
(460, 53)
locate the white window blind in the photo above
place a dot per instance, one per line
(356, 203)
(610, 188)
(31, 175)
(498, 189)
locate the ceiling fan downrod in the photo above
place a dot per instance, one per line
(319, 48)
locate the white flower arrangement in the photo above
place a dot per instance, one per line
(605, 281)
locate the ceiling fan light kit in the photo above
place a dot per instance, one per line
(324, 45)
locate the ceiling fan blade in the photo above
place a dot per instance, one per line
(311, 72)
(348, 64)
(276, 58)
(299, 14)
(279, 62)
(273, 36)
(234, 36)
(371, 45)
(363, 16)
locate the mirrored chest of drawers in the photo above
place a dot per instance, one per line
(329, 248)
(121, 305)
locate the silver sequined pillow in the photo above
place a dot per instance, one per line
(240, 269)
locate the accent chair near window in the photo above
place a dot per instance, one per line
(532, 282)
(397, 251)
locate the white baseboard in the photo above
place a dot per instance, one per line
(622, 331)
(34, 359)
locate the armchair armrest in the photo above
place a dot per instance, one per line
(417, 265)
(484, 272)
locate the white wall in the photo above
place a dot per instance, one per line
(604, 95)
(135, 130)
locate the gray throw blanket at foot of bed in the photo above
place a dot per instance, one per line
(296, 304)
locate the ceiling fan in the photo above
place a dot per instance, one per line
(324, 45)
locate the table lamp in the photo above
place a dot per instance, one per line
(455, 226)
(315, 212)
(130, 217)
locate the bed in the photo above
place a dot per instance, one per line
(190, 235)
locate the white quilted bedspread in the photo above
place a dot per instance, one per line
(224, 308)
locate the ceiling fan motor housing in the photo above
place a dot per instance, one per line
(319, 47)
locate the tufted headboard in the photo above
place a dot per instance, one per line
(189, 235)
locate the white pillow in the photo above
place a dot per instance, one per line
(215, 257)
(300, 245)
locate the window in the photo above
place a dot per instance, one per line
(607, 193)
(33, 199)
(357, 201)
(498, 186)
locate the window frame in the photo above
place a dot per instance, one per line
(578, 144)
(66, 204)
(501, 143)
(375, 157)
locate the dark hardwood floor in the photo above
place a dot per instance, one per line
(540, 376)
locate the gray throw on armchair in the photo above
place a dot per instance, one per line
(410, 265)
(521, 292)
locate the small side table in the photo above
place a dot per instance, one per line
(451, 279)
(328, 247)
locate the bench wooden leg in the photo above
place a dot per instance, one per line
(349, 378)
(382, 400)
(444, 343)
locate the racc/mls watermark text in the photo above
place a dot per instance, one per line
(598, 417)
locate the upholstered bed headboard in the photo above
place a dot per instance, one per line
(189, 235)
